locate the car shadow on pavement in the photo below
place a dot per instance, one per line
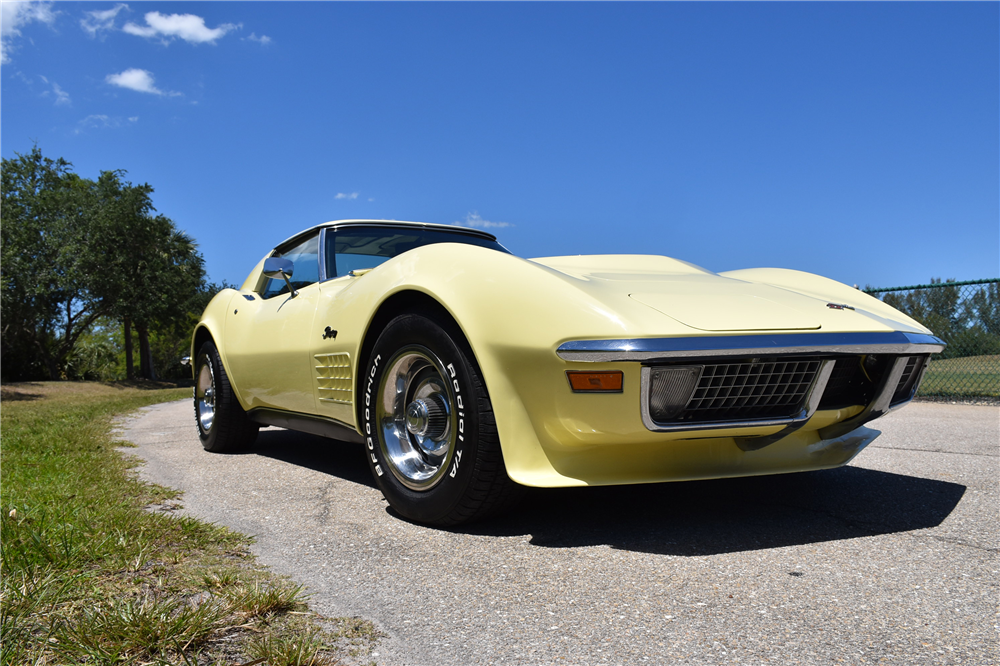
(344, 460)
(694, 518)
(687, 518)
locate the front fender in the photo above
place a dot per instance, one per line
(514, 313)
(213, 324)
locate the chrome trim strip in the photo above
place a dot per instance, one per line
(851, 443)
(322, 255)
(655, 349)
(882, 401)
(916, 387)
(395, 224)
(791, 424)
(314, 425)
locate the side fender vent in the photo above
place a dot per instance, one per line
(333, 378)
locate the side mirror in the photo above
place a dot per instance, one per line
(275, 266)
(279, 267)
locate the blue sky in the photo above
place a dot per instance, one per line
(858, 141)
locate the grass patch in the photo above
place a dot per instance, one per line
(305, 649)
(968, 376)
(90, 574)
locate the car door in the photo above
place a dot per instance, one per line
(347, 254)
(269, 334)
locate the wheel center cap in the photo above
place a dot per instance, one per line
(416, 418)
(427, 418)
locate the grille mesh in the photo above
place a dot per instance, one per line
(849, 385)
(845, 372)
(748, 390)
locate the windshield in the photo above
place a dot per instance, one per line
(355, 248)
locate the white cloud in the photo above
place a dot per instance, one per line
(341, 195)
(62, 97)
(101, 121)
(94, 23)
(97, 121)
(139, 80)
(188, 27)
(263, 40)
(14, 16)
(473, 219)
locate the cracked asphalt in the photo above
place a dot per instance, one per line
(890, 560)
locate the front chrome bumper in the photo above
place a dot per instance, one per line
(667, 349)
(892, 390)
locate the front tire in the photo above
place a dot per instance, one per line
(429, 428)
(223, 425)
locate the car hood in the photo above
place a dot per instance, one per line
(737, 301)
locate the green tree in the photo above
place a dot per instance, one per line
(98, 354)
(75, 251)
(146, 270)
(179, 277)
(937, 309)
(970, 325)
(46, 302)
(984, 307)
(170, 339)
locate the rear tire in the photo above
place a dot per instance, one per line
(429, 428)
(223, 426)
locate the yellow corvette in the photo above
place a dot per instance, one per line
(467, 372)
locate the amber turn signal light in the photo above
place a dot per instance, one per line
(595, 382)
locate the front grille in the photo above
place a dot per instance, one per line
(742, 391)
(905, 388)
(745, 391)
(850, 384)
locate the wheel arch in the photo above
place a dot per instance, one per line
(211, 327)
(407, 301)
(200, 337)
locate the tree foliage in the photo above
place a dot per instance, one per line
(74, 251)
(46, 302)
(970, 325)
(150, 269)
(100, 352)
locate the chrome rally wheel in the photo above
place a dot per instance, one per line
(416, 418)
(204, 395)
(428, 424)
(223, 426)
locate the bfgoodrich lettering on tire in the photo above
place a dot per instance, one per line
(428, 424)
(222, 423)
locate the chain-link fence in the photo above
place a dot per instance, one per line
(966, 315)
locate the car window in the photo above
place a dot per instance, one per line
(354, 248)
(305, 260)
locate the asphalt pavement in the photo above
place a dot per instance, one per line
(894, 559)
